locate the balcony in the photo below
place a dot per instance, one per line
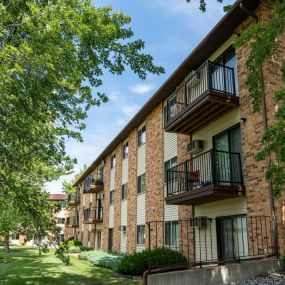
(73, 200)
(208, 93)
(93, 215)
(72, 222)
(211, 176)
(94, 184)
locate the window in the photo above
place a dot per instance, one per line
(89, 235)
(171, 236)
(124, 191)
(140, 234)
(169, 164)
(170, 110)
(63, 204)
(61, 220)
(61, 238)
(15, 235)
(125, 150)
(111, 197)
(113, 161)
(141, 136)
(141, 184)
(82, 237)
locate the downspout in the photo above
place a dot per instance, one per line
(247, 11)
(265, 126)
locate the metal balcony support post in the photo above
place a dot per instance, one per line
(185, 95)
(186, 176)
(213, 166)
(167, 182)
(209, 83)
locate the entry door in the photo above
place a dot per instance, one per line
(110, 241)
(98, 240)
(232, 237)
(227, 162)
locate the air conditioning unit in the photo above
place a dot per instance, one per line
(123, 229)
(195, 146)
(198, 222)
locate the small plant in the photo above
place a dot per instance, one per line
(60, 253)
(45, 248)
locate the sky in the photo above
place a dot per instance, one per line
(171, 29)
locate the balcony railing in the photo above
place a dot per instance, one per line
(92, 215)
(203, 240)
(211, 78)
(74, 199)
(92, 181)
(213, 167)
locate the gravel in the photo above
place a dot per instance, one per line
(272, 279)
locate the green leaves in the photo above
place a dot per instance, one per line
(52, 58)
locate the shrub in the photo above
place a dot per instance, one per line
(59, 253)
(45, 248)
(101, 258)
(85, 248)
(138, 263)
(74, 249)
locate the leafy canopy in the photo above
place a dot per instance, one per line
(53, 55)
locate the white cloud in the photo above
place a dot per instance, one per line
(141, 88)
(130, 111)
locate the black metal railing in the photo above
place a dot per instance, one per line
(74, 197)
(211, 167)
(93, 180)
(209, 77)
(93, 213)
(204, 240)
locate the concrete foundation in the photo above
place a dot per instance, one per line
(218, 275)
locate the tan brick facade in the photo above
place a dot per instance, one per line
(252, 130)
(117, 202)
(106, 203)
(154, 172)
(132, 195)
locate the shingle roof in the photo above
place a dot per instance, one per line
(57, 197)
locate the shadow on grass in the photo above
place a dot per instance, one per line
(26, 267)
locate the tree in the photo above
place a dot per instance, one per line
(265, 44)
(68, 187)
(53, 55)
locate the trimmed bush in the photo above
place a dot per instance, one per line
(138, 263)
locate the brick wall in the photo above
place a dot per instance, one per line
(132, 195)
(117, 202)
(154, 172)
(257, 188)
(106, 204)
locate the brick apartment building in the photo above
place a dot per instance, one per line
(182, 173)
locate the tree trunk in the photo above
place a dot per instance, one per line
(6, 243)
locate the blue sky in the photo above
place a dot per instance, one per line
(171, 29)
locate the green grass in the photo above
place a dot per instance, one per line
(24, 266)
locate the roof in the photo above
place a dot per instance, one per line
(215, 38)
(57, 197)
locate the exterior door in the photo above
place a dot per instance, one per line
(227, 164)
(232, 237)
(110, 240)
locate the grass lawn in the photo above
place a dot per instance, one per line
(24, 266)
